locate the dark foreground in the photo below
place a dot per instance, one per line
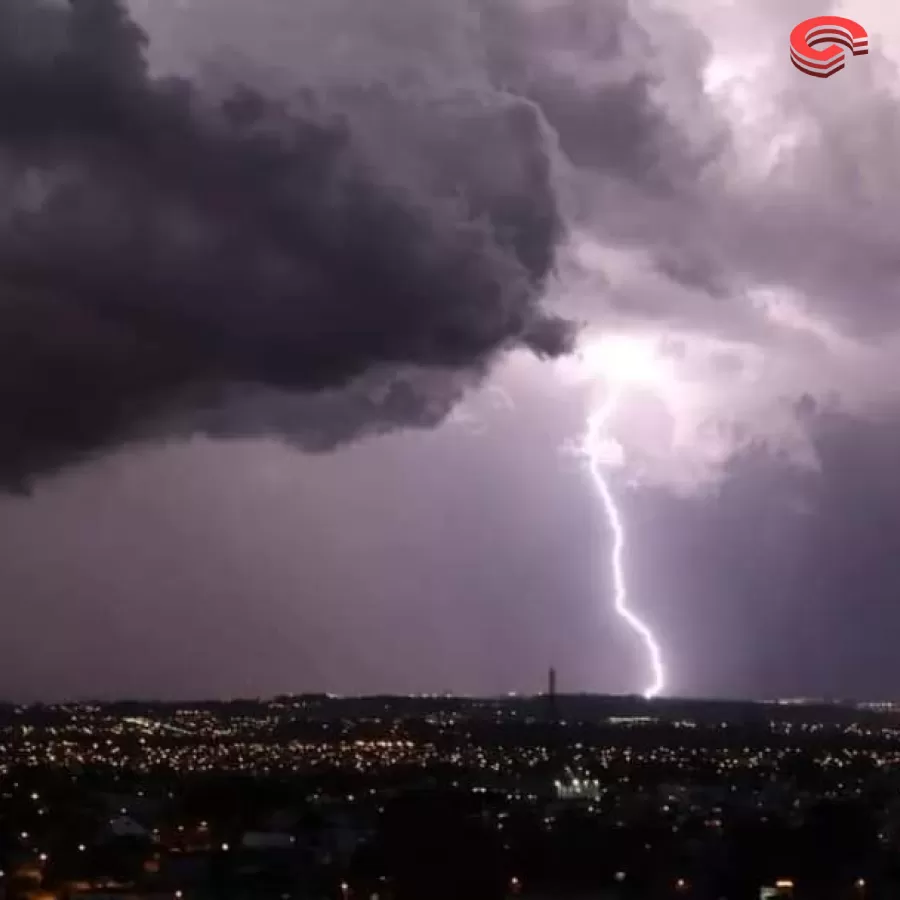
(421, 798)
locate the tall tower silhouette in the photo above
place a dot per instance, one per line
(552, 710)
(555, 756)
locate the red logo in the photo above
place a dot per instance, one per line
(825, 61)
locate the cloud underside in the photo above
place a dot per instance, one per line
(163, 254)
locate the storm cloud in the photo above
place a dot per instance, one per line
(162, 254)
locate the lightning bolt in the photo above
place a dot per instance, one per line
(592, 449)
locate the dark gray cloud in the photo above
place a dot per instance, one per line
(158, 250)
(592, 70)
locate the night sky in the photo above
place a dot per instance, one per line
(296, 298)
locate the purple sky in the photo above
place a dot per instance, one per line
(659, 172)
